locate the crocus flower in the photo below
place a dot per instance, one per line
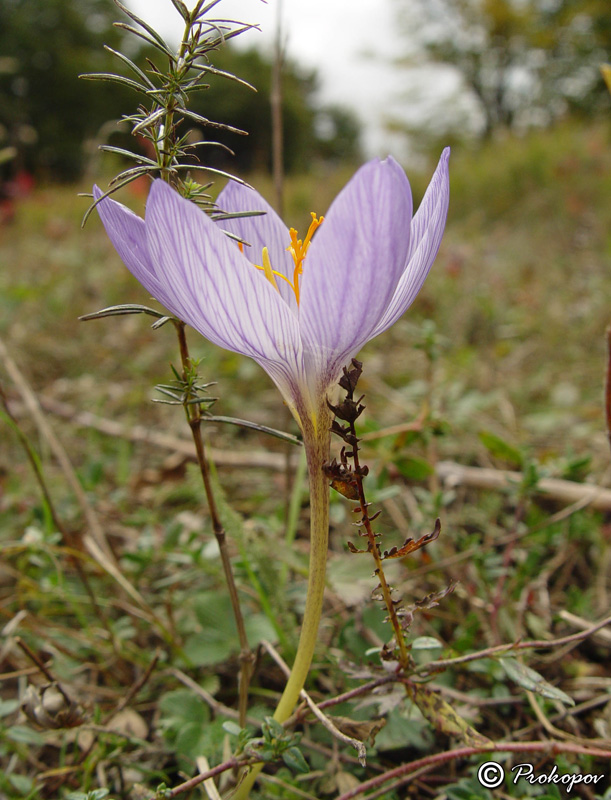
(300, 308)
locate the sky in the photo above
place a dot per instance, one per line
(351, 46)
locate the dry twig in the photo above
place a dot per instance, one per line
(453, 474)
(436, 666)
(429, 762)
(255, 459)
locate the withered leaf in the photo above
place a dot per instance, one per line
(354, 549)
(443, 717)
(411, 545)
(347, 488)
(50, 707)
(350, 377)
(363, 730)
(432, 600)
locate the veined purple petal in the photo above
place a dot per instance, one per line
(263, 230)
(427, 229)
(216, 290)
(127, 232)
(364, 267)
(354, 264)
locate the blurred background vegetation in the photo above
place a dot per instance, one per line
(508, 66)
(513, 65)
(55, 120)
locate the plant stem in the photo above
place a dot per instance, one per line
(193, 413)
(316, 454)
(316, 441)
(375, 552)
(547, 748)
(349, 410)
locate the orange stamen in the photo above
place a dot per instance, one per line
(297, 249)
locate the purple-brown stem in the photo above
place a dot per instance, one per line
(348, 411)
(193, 413)
(404, 658)
(231, 763)
(551, 748)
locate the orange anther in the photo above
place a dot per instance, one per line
(297, 249)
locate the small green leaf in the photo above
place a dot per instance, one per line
(181, 8)
(22, 783)
(23, 735)
(111, 78)
(121, 151)
(184, 706)
(8, 706)
(189, 740)
(218, 637)
(426, 643)
(501, 449)
(272, 728)
(467, 789)
(140, 21)
(121, 310)
(414, 469)
(143, 77)
(405, 727)
(243, 423)
(294, 760)
(529, 679)
(232, 728)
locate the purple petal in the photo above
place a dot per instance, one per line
(216, 290)
(354, 264)
(127, 233)
(427, 229)
(263, 230)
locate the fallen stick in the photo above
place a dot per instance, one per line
(588, 494)
(177, 444)
(450, 472)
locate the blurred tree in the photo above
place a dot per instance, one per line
(521, 61)
(46, 112)
(310, 132)
(338, 134)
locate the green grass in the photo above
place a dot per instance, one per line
(504, 350)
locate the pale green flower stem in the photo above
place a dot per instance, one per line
(316, 442)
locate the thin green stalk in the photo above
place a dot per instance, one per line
(317, 455)
(316, 442)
